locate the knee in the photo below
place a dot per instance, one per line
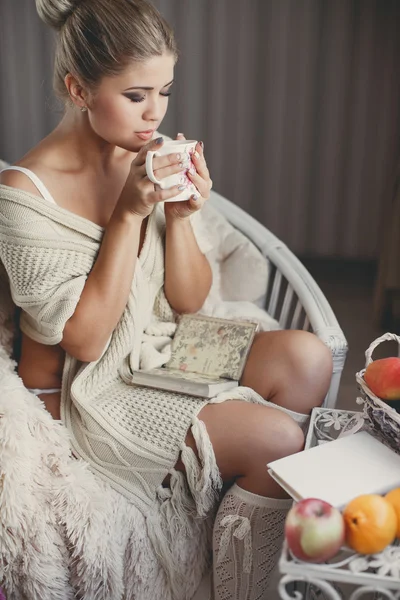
(309, 359)
(275, 435)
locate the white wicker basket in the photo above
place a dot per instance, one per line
(384, 420)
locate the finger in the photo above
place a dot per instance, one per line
(203, 185)
(162, 195)
(199, 148)
(152, 145)
(160, 163)
(180, 136)
(200, 164)
(146, 186)
(170, 170)
(196, 202)
(165, 161)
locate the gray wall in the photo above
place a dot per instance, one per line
(297, 101)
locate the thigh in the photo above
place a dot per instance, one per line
(244, 435)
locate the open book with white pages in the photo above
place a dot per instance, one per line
(208, 355)
(340, 470)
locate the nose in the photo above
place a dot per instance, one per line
(153, 111)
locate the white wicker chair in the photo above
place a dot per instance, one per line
(293, 296)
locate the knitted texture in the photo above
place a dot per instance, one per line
(248, 535)
(131, 437)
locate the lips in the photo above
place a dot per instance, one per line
(145, 135)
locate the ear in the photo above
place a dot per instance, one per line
(76, 91)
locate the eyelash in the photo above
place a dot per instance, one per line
(135, 99)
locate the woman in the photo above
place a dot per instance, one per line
(98, 256)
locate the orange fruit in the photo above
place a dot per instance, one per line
(371, 523)
(394, 498)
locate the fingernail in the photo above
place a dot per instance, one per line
(181, 188)
(196, 154)
(181, 165)
(159, 140)
(202, 145)
(178, 156)
(194, 197)
(180, 134)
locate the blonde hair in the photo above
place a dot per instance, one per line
(97, 38)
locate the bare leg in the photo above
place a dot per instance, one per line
(245, 437)
(290, 368)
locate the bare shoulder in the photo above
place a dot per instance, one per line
(18, 180)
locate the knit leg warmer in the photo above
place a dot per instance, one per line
(247, 539)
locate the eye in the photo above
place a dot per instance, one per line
(135, 97)
(165, 93)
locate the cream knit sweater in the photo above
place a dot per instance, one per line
(130, 436)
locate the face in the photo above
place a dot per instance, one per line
(126, 109)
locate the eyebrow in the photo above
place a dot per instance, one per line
(140, 87)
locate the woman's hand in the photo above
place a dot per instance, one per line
(139, 196)
(202, 181)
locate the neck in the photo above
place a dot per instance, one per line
(85, 148)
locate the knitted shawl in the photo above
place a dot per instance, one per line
(131, 437)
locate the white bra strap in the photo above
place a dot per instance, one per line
(35, 180)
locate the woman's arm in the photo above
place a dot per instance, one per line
(107, 287)
(188, 274)
(106, 291)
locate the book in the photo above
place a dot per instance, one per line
(340, 470)
(208, 355)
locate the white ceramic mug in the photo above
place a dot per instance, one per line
(185, 148)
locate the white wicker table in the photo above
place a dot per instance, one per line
(348, 575)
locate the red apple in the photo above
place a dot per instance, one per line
(314, 530)
(383, 378)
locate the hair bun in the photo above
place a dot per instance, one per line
(55, 12)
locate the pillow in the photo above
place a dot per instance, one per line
(240, 271)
